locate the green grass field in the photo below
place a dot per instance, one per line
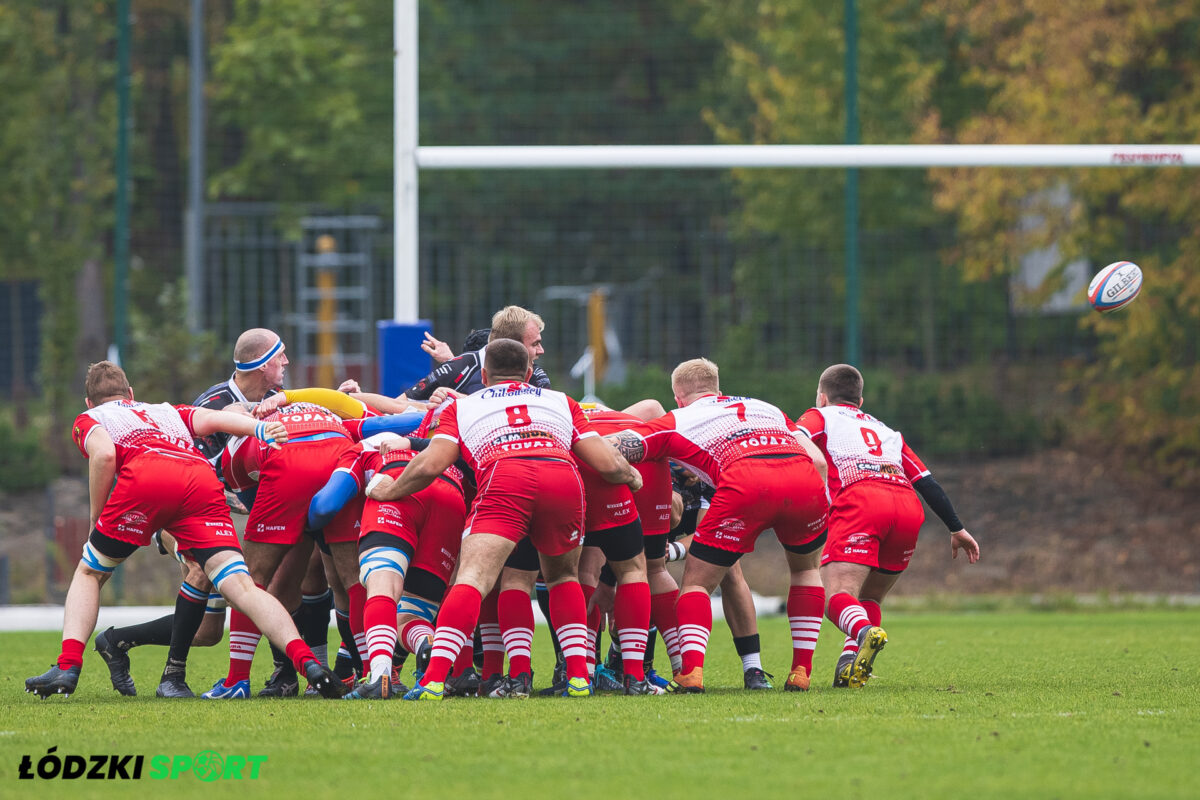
(1006, 705)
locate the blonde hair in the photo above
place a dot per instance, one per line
(510, 322)
(696, 376)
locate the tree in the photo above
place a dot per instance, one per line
(1093, 72)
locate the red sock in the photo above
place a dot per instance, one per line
(694, 612)
(805, 607)
(72, 654)
(299, 653)
(848, 614)
(568, 615)
(662, 614)
(455, 625)
(632, 611)
(489, 635)
(515, 613)
(413, 633)
(243, 639)
(379, 622)
(875, 614)
(358, 600)
(593, 628)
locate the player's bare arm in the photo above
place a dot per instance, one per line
(814, 452)
(419, 473)
(206, 421)
(629, 445)
(102, 469)
(384, 404)
(599, 454)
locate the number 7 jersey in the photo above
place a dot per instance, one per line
(859, 447)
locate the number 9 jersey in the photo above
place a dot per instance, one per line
(859, 447)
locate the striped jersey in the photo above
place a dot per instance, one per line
(137, 428)
(859, 447)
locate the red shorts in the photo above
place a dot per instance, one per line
(874, 523)
(754, 494)
(541, 497)
(345, 525)
(431, 521)
(606, 505)
(179, 494)
(653, 500)
(287, 482)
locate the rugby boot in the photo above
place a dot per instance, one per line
(423, 654)
(173, 687)
(321, 678)
(219, 691)
(54, 681)
(658, 680)
(870, 641)
(494, 687)
(376, 690)
(841, 674)
(633, 686)
(518, 687)
(605, 680)
(577, 687)
(757, 680)
(464, 685)
(798, 680)
(282, 683)
(691, 683)
(432, 691)
(558, 683)
(117, 661)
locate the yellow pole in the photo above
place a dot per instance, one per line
(326, 315)
(597, 323)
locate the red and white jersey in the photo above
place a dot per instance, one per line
(137, 428)
(716, 431)
(306, 419)
(364, 460)
(241, 460)
(511, 420)
(859, 447)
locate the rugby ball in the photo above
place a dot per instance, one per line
(1115, 286)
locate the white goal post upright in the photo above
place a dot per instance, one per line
(410, 157)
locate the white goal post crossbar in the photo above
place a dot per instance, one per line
(815, 155)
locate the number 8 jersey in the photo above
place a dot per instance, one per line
(513, 420)
(860, 447)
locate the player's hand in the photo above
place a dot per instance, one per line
(270, 405)
(398, 443)
(440, 394)
(273, 433)
(235, 504)
(968, 544)
(436, 348)
(378, 487)
(349, 385)
(635, 484)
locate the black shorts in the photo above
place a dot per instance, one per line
(384, 539)
(656, 545)
(808, 547)
(524, 557)
(425, 585)
(713, 555)
(620, 543)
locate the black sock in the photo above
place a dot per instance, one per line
(746, 645)
(156, 631)
(543, 601)
(648, 659)
(477, 650)
(343, 665)
(343, 625)
(190, 605)
(316, 618)
(399, 656)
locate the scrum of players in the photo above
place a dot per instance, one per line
(428, 520)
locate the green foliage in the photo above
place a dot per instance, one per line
(168, 362)
(24, 463)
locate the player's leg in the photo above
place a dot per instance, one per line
(624, 548)
(514, 616)
(345, 559)
(101, 555)
(843, 580)
(738, 604)
(705, 569)
(568, 616)
(229, 573)
(261, 559)
(479, 565)
(316, 605)
(805, 608)
(284, 585)
(383, 564)
(191, 606)
(664, 592)
(591, 561)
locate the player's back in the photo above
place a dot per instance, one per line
(859, 447)
(137, 428)
(512, 420)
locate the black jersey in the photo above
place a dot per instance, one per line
(217, 397)
(464, 374)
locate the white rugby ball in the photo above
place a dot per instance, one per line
(1115, 286)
